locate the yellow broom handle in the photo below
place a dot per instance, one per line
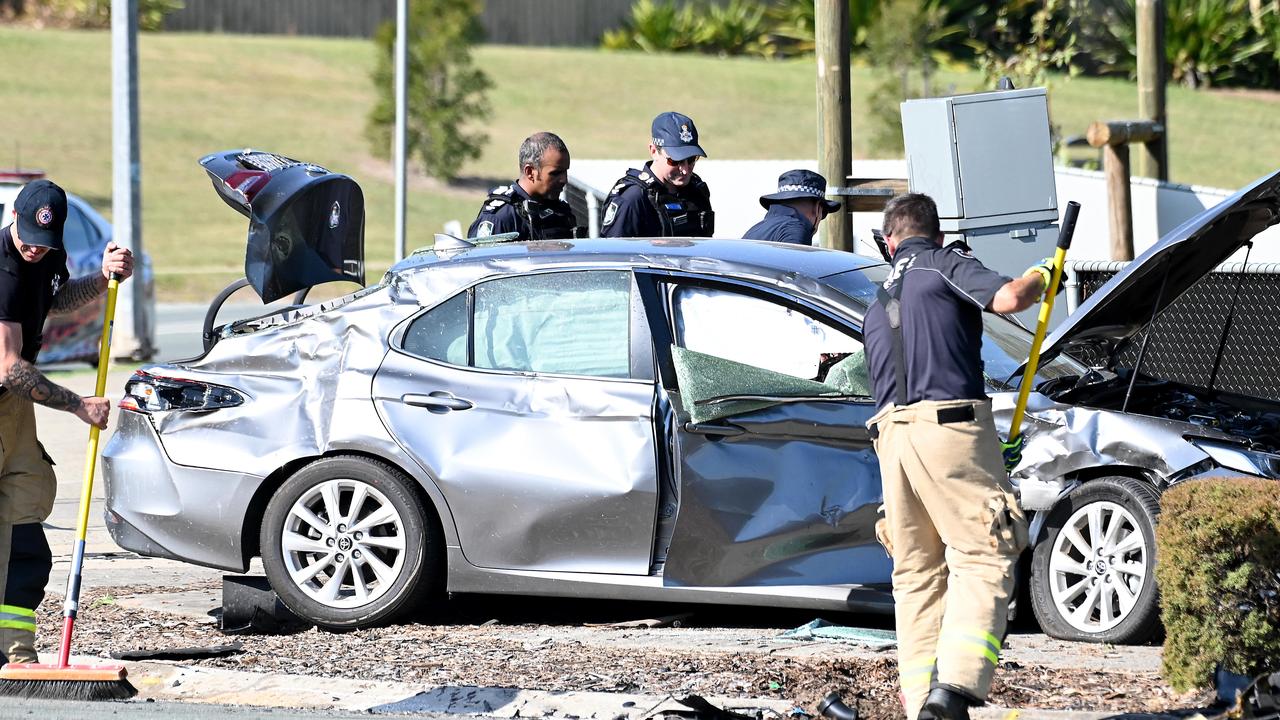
(99, 389)
(1042, 325)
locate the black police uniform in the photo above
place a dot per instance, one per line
(640, 205)
(782, 223)
(27, 481)
(941, 319)
(510, 209)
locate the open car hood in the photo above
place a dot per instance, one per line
(306, 224)
(1128, 301)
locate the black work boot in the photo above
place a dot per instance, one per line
(947, 703)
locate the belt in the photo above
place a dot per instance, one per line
(945, 416)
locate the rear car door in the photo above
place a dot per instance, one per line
(530, 400)
(778, 481)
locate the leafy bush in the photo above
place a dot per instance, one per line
(445, 89)
(1218, 545)
(729, 27)
(1207, 42)
(94, 14)
(1026, 47)
(901, 49)
(656, 26)
(736, 28)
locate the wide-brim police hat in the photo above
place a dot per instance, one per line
(795, 184)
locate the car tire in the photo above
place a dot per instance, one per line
(1093, 571)
(375, 561)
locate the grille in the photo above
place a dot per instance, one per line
(1185, 337)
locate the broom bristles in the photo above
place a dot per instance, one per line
(68, 689)
(72, 682)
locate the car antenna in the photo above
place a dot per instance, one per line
(1142, 351)
(1231, 315)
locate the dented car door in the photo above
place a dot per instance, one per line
(778, 481)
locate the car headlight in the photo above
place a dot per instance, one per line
(149, 393)
(1239, 456)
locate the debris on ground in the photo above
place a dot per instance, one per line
(598, 659)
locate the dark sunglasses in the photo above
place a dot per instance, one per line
(690, 161)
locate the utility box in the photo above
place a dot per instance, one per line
(985, 158)
(987, 161)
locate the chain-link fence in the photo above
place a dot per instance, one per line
(1186, 336)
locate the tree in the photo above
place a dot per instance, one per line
(445, 89)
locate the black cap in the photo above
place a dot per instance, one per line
(794, 184)
(676, 135)
(42, 210)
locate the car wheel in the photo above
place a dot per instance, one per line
(347, 543)
(1093, 571)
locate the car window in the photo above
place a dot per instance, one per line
(768, 335)
(78, 236)
(441, 333)
(570, 323)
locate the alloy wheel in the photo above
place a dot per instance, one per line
(1098, 567)
(343, 543)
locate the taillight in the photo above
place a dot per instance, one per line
(149, 393)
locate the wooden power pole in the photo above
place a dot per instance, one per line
(1153, 155)
(835, 157)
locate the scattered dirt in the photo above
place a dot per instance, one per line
(510, 652)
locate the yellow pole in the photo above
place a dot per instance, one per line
(1042, 325)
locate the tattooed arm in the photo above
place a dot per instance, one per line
(22, 378)
(78, 292)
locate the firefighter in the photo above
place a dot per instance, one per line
(531, 205)
(33, 283)
(665, 198)
(952, 524)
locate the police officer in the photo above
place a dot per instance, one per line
(952, 524)
(665, 198)
(33, 282)
(531, 205)
(793, 213)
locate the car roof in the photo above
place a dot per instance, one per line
(782, 260)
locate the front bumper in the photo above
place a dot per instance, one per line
(158, 508)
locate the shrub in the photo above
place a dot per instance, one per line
(730, 27)
(1218, 545)
(1207, 42)
(656, 26)
(93, 14)
(901, 49)
(445, 89)
(734, 28)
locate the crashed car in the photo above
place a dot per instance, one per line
(649, 419)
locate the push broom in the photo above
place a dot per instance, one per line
(1046, 307)
(63, 680)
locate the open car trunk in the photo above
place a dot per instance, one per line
(306, 224)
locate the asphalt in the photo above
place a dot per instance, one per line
(65, 438)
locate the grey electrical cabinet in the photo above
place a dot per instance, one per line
(985, 158)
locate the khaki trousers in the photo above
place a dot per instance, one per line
(954, 530)
(27, 490)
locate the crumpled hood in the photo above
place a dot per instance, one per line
(1127, 302)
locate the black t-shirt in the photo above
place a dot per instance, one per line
(27, 290)
(944, 291)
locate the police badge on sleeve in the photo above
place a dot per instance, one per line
(610, 213)
(484, 229)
